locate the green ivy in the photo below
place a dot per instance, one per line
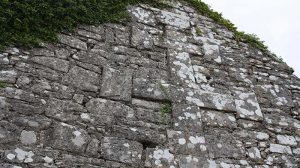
(25, 23)
(165, 108)
(198, 31)
(3, 84)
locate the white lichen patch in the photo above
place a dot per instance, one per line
(85, 116)
(28, 137)
(10, 156)
(160, 155)
(181, 141)
(79, 140)
(248, 107)
(262, 136)
(133, 129)
(24, 156)
(126, 145)
(180, 21)
(195, 101)
(196, 140)
(47, 159)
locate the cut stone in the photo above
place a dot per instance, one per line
(72, 42)
(286, 140)
(159, 157)
(117, 84)
(122, 150)
(82, 79)
(187, 117)
(187, 143)
(69, 138)
(218, 119)
(247, 106)
(276, 148)
(53, 63)
(9, 76)
(224, 145)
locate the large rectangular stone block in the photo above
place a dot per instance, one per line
(82, 79)
(117, 84)
(122, 150)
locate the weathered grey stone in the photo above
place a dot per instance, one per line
(146, 104)
(54, 63)
(187, 143)
(188, 161)
(89, 34)
(37, 122)
(276, 148)
(187, 117)
(171, 88)
(72, 42)
(103, 112)
(157, 116)
(62, 53)
(20, 155)
(139, 134)
(277, 95)
(69, 138)
(173, 19)
(159, 157)
(145, 88)
(28, 137)
(108, 107)
(224, 145)
(78, 98)
(247, 106)
(142, 15)
(286, 140)
(205, 99)
(141, 38)
(8, 132)
(218, 119)
(94, 58)
(9, 76)
(63, 110)
(122, 150)
(254, 153)
(18, 94)
(42, 52)
(117, 84)
(82, 79)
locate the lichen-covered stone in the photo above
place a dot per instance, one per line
(159, 157)
(54, 63)
(82, 79)
(73, 42)
(167, 88)
(69, 138)
(122, 150)
(116, 84)
(248, 107)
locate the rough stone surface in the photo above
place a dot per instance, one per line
(150, 92)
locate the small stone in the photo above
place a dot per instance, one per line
(286, 140)
(276, 148)
(72, 42)
(78, 98)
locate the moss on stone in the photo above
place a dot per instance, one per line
(3, 84)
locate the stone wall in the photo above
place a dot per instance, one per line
(169, 89)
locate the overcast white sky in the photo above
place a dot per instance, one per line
(277, 22)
